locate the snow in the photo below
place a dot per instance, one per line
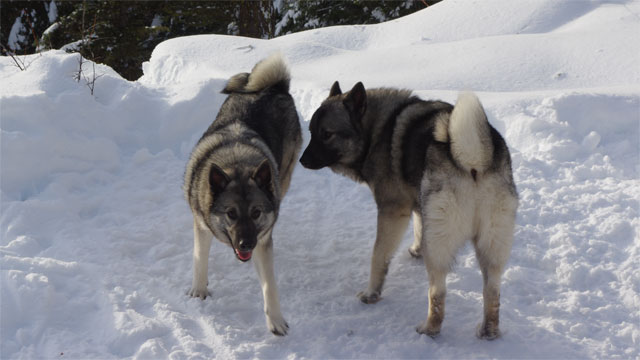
(16, 34)
(96, 238)
(52, 12)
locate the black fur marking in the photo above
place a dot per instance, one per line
(418, 136)
(281, 87)
(502, 160)
(382, 142)
(414, 148)
(390, 123)
(474, 174)
(264, 118)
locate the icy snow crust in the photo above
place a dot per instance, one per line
(97, 239)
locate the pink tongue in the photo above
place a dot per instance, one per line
(244, 255)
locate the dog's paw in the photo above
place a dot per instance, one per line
(199, 292)
(487, 332)
(428, 330)
(415, 252)
(368, 297)
(277, 325)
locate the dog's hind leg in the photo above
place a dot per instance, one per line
(391, 227)
(447, 224)
(263, 258)
(493, 246)
(437, 295)
(415, 248)
(489, 329)
(201, 245)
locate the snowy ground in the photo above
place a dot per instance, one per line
(96, 238)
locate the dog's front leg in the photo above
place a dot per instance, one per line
(201, 245)
(263, 258)
(391, 227)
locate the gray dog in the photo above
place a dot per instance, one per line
(238, 174)
(445, 165)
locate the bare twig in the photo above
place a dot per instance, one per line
(16, 59)
(80, 74)
(92, 83)
(86, 43)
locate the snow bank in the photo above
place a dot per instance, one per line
(96, 237)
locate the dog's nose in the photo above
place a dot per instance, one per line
(245, 245)
(304, 160)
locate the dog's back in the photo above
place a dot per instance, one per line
(261, 101)
(257, 120)
(401, 127)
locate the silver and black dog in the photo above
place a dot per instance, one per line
(445, 165)
(238, 173)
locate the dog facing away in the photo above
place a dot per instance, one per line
(446, 166)
(239, 172)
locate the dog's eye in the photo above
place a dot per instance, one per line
(232, 214)
(255, 214)
(327, 135)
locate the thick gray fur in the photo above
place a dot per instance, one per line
(446, 166)
(239, 172)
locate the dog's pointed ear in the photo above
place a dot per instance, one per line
(218, 179)
(263, 178)
(262, 175)
(356, 100)
(335, 89)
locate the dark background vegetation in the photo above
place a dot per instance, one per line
(122, 34)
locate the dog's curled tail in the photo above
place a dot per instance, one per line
(271, 71)
(469, 134)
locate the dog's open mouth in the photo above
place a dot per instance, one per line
(243, 255)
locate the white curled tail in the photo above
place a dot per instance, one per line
(271, 71)
(470, 134)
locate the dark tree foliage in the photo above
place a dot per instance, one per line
(122, 34)
(31, 19)
(256, 18)
(311, 14)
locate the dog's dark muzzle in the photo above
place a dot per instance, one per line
(307, 160)
(244, 250)
(245, 240)
(317, 156)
